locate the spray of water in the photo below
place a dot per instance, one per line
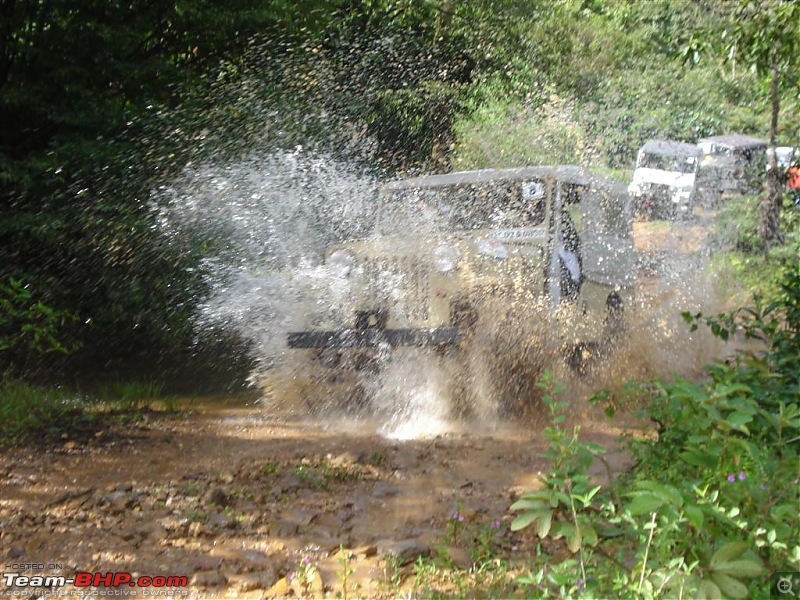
(268, 220)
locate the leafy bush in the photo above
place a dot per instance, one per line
(27, 324)
(710, 510)
(29, 413)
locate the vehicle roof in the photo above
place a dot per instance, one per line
(670, 148)
(736, 140)
(565, 173)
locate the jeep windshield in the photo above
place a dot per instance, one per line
(676, 164)
(463, 207)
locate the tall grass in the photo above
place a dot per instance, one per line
(28, 412)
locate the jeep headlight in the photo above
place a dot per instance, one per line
(341, 262)
(446, 257)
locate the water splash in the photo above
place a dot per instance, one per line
(267, 220)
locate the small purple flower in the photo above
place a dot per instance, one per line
(290, 576)
(742, 476)
(495, 524)
(581, 584)
(731, 478)
(307, 559)
(457, 516)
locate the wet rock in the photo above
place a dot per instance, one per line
(366, 551)
(208, 579)
(405, 551)
(206, 563)
(118, 502)
(326, 521)
(403, 461)
(247, 582)
(330, 545)
(252, 560)
(216, 495)
(153, 531)
(284, 528)
(221, 521)
(174, 525)
(310, 584)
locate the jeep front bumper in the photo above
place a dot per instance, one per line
(372, 337)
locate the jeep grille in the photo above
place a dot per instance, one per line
(400, 283)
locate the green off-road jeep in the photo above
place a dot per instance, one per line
(545, 245)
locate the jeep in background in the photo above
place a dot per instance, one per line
(730, 164)
(663, 181)
(557, 240)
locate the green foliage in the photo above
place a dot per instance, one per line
(28, 325)
(32, 414)
(710, 509)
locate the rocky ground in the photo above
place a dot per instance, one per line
(245, 505)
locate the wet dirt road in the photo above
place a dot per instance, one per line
(239, 502)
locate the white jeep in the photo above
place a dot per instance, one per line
(663, 182)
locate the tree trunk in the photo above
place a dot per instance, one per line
(769, 213)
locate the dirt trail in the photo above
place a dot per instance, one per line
(238, 501)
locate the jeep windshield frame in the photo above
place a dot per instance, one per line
(463, 207)
(600, 208)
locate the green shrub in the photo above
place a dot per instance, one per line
(29, 413)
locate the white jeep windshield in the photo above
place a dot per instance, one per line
(668, 162)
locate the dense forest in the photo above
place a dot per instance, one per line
(101, 102)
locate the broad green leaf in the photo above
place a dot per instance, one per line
(772, 536)
(728, 552)
(742, 569)
(544, 524)
(694, 515)
(589, 534)
(738, 420)
(709, 590)
(645, 504)
(561, 529)
(699, 458)
(574, 541)
(667, 493)
(730, 586)
(528, 504)
(525, 519)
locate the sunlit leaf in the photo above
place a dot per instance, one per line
(729, 586)
(728, 552)
(739, 568)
